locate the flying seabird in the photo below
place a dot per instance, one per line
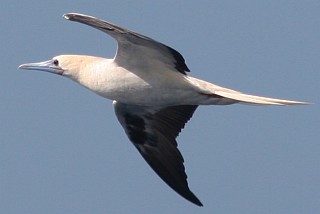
(153, 97)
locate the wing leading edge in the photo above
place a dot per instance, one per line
(132, 47)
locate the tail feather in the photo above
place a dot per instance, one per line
(251, 99)
(232, 96)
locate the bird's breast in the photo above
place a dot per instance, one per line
(146, 88)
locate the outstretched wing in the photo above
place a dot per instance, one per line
(135, 50)
(153, 131)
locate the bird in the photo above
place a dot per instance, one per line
(153, 97)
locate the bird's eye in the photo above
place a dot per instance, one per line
(56, 62)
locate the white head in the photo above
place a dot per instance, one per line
(71, 66)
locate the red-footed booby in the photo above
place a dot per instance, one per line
(152, 94)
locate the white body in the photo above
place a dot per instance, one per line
(153, 88)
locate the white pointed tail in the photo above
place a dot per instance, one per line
(251, 99)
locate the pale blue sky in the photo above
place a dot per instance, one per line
(62, 149)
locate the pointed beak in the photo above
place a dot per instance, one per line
(50, 66)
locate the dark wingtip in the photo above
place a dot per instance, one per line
(69, 16)
(192, 198)
(197, 202)
(200, 204)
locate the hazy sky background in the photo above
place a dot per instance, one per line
(62, 149)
